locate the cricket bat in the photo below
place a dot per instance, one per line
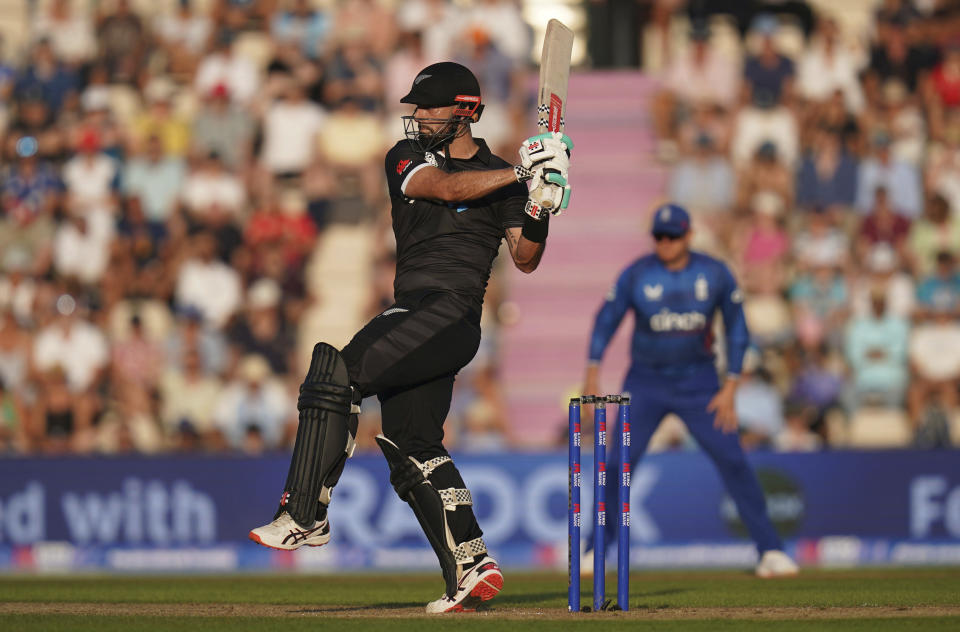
(554, 77)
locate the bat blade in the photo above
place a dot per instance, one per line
(554, 77)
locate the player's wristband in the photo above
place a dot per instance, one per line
(535, 230)
(523, 174)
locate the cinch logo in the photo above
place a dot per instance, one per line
(402, 166)
(671, 321)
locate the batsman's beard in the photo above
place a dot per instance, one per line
(426, 140)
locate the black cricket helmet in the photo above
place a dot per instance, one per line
(439, 85)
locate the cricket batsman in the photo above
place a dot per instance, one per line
(453, 202)
(674, 294)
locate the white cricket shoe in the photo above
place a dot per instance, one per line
(776, 564)
(286, 535)
(481, 583)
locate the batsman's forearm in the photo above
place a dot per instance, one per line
(528, 254)
(470, 185)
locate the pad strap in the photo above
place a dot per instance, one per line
(467, 551)
(453, 497)
(427, 467)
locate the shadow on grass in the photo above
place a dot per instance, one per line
(379, 606)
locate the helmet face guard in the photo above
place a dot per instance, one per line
(467, 107)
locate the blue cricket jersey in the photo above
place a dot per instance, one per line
(674, 313)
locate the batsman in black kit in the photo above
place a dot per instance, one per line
(453, 201)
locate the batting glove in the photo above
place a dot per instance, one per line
(545, 147)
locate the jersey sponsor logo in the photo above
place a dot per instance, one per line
(420, 78)
(700, 288)
(402, 165)
(672, 321)
(653, 292)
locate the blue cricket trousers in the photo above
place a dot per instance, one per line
(653, 396)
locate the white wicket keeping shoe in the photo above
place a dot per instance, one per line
(481, 583)
(286, 535)
(776, 564)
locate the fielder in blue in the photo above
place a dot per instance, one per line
(674, 294)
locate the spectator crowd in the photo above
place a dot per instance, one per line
(191, 195)
(821, 157)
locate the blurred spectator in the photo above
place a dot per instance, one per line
(74, 345)
(122, 41)
(17, 287)
(261, 329)
(406, 62)
(31, 190)
(698, 75)
(708, 120)
(156, 179)
(885, 278)
(901, 180)
(503, 21)
(936, 371)
(882, 226)
(91, 177)
(940, 292)
(69, 32)
(47, 79)
(796, 435)
(14, 351)
(437, 22)
(821, 243)
(303, 25)
(190, 336)
(35, 129)
(876, 349)
(817, 386)
(769, 75)
(943, 92)
(765, 173)
(894, 57)
(828, 174)
(367, 21)
(183, 36)
(81, 246)
(759, 409)
(819, 298)
(223, 67)
(136, 360)
(290, 132)
(703, 181)
(943, 163)
(762, 248)
(160, 120)
(936, 232)
(826, 66)
(62, 419)
(352, 144)
(254, 411)
(190, 394)
(223, 128)
(496, 73)
(210, 189)
(208, 284)
(13, 420)
(354, 71)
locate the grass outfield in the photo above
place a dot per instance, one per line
(875, 600)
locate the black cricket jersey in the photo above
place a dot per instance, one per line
(448, 247)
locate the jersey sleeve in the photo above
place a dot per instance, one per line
(611, 313)
(734, 321)
(402, 161)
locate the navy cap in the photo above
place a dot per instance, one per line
(671, 219)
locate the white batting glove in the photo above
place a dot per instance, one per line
(545, 147)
